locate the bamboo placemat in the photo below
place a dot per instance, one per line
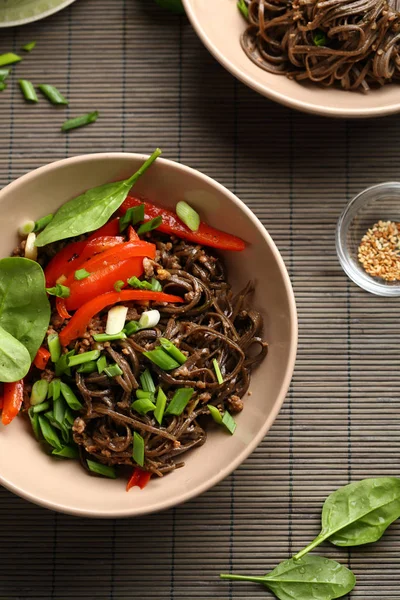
(155, 85)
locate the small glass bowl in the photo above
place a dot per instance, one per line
(378, 203)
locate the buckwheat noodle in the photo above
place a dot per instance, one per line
(351, 43)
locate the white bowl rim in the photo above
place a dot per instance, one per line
(319, 109)
(39, 17)
(200, 489)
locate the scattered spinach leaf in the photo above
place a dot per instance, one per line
(358, 513)
(14, 358)
(24, 306)
(310, 577)
(92, 209)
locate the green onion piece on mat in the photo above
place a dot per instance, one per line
(52, 94)
(179, 401)
(101, 364)
(140, 285)
(80, 121)
(244, 9)
(216, 415)
(70, 397)
(118, 285)
(100, 469)
(3, 86)
(67, 452)
(113, 370)
(34, 419)
(9, 58)
(143, 406)
(49, 433)
(163, 360)
(41, 407)
(155, 285)
(85, 357)
(147, 382)
(61, 291)
(133, 215)
(138, 448)
(160, 405)
(105, 337)
(62, 364)
(54, 345)
(229, 422)
(28, 90)
(39, 392)
(42, 223)
(4, 73)
(131, 327)
(150, 225)
(87, 368)
(29, 47)
(173, 351)
(81, 274)
(217, 370)
(188, 215)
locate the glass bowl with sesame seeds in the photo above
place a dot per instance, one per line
(368, 239)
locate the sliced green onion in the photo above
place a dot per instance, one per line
(188, 215)
(70, 397)
(29, 47)
(4, 73)
(138, 449)
(149, 319)
(61, 291)
(147, 382)
(85, 357)
(59, 410)
(81, 274)
(179, 401)
(100, 469)
(39, 392)
(43, 222)
(26, 228)
(50, 417)
(229, 422)
(104, 337)
(113, 370)
(49, 433)
(143, 394)
(9, 58)
(87, 368)
(131, 327)
(156, 285)
(69, 418)
(150, 225)
(173, 351)
(54, 345)
(118, 285)
(54, 389)
(160, 358)
(101, 364)
(244, 9)
(52, 94)
(66, 433)
(34, 419)
(67, 452)
(160, 405)
(140, 285)
(30, 247)
(62, 364)
(3, 86)
(319, 38)
(28, 90)
(38, 408)
(217, 370)
(216, 415)
(143, 406)
(80, 121)
(133, 215)
(116, 318)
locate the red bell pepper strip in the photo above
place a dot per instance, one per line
(62, 309)
(110, 228)
(206, 235)
(13, 397)
(94, 247)
(63, 259)
(115, 255)
(42, 358)
(102, 281)
(77, 325)
(132, 235)
(139, 477)
(1, 402)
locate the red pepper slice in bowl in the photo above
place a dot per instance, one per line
(12, 400)
(139, 477)
(206, 235)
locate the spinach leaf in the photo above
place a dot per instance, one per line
(359, 513)
(92, 209)
(24, 307)
(14, 358)
(310, 577)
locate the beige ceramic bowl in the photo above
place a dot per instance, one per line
(220, 28)
(63, 485)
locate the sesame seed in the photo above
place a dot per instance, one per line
(379, 251)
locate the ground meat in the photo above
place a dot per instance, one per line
(79, 425)
(148, 267)
(235, 404)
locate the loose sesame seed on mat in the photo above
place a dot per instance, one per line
(379, 251)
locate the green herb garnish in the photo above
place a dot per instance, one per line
(52, 94)
(319, 38)
(118, 285)
(100, 469)
(102, 364)
(28, 90)
(67, 452)
(160, 406)
(81, 121)
(150, 225)
(29, 47)
(113, 370)
(61, 291)
(49, 433)
(133, 215)
(42, 223)
(109, 337)
(162, 359)
(217, 370)
(244, 9)
(39, 392)
(138, 449)
(87, 368)
(81, 274)
(143, 406)
(9, 58)
(188, 215)
(173, 351)
(140, 285)
(179, 401)
(147, 382)
(84, 357)
(131, 327)
(70, 397)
